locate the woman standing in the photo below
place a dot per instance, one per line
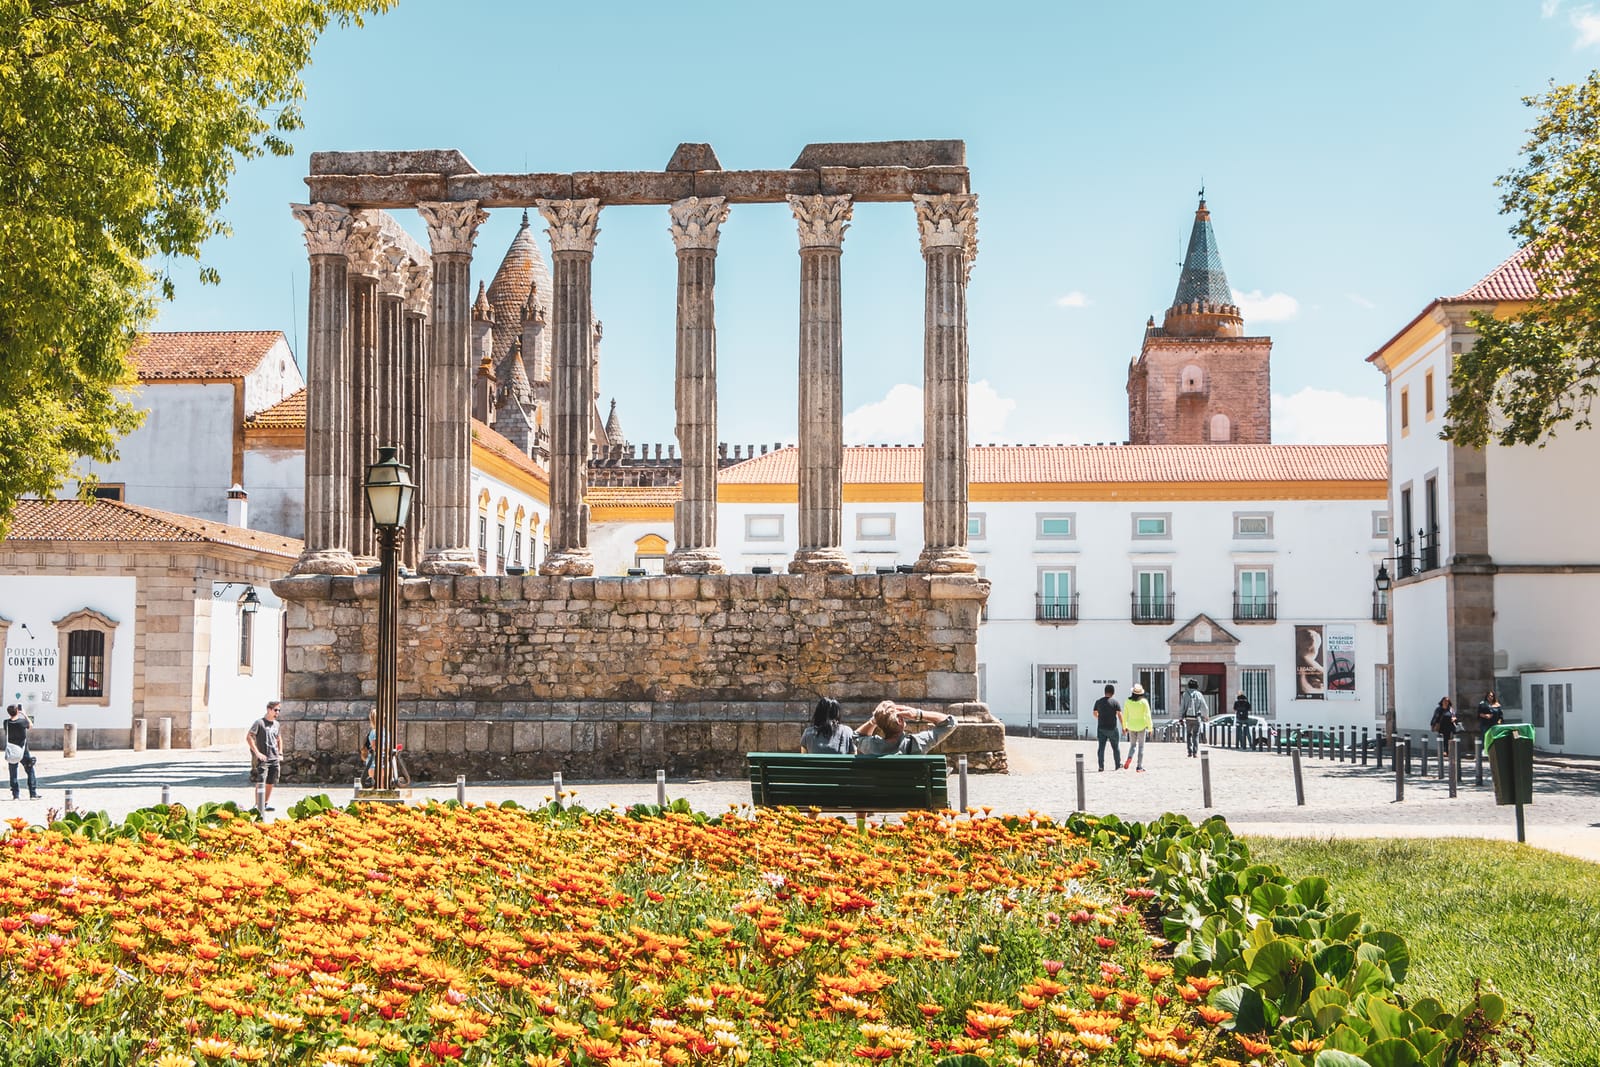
(827, 735)
(17, 725)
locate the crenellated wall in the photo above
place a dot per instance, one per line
(516, 677)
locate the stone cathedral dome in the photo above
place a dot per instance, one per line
(522, 274)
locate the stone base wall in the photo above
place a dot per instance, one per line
(518, 677)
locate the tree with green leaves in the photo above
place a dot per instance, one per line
(1531, 374)
(121, 122)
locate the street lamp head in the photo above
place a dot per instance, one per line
(249, 603)
(389, 489)
(1383, 581)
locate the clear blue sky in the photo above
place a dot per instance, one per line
(1348, 152)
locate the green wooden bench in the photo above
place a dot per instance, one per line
(848, 783)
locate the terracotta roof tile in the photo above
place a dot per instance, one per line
(491, 440)
(288, 413)
(1002, 464)
(1511, 280)
(111, 520)
(625, 496)
(204, 354)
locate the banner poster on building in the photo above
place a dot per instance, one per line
(1310, 670)
(1339, 648)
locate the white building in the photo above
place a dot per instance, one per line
(1497, 569)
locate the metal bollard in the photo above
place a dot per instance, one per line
(1341, 744)
(1442, 754)
(70, 806)
(69, 740)
(355, 790)
(1363, 746)
(164, 731)
(261, 798)
(1477, 755)
(139, 734)
(1401, 759)
(166, 796)
(558, 789)
(1455, 766)
(961, 771)
(661, 788)
(461, 789)
(1205, 777)
(1299, 783)
(1377, 750)
(1083, 803)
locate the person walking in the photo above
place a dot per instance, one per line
(1241, 722)
(1194, 716)
(1444, 722)
(1108, 728)
(1136, 717)
(1490, 713)
(267, 746)
(17, 726)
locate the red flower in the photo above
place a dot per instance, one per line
(444, 1050)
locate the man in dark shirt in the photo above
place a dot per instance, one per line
(1108, 727)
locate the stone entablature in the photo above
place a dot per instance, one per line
(603, 677)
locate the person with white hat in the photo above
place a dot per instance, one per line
(1136, 719)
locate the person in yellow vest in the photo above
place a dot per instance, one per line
(1136, 719)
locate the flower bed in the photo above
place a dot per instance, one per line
(498, 935)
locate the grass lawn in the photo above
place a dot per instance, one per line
(1522, 918)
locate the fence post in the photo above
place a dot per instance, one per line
(1442, 747)
(1363, 746)
(68, 802)
(1341, 744)
(139, 734)
(1205, 776)
(261, 799)
(164, 732)
(1477, 755)
(166, 795)
(1455, 766)
(961, 771)
(461, 789)
(557, 779)
(1377, 749)
(1402, 759)
(69, 739)
(1083, 803)
(661, 787)
(355, 789)
(1299, 784)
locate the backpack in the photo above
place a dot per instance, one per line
(1194, 705)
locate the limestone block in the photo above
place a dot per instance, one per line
(952, 685)
(557, 737)
(527, 736)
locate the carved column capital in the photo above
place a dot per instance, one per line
(392, 271)
(948, 221)
(574, 224)
(365, 245)
(418, 288)
(695, 222)
(822, 219)
(452, 225)
(327, 227)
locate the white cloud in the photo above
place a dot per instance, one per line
(1326, 417)
(1075, 299)
(1256, 306)
(1361, 301)
(1587, 23)
(1549, 8)
(897, 418)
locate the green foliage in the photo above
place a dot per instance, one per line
(120, 124)
(172, 822)
(1528, 375)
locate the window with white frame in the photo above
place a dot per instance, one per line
(1380, 524)
(1150, 587)
(1154, 679)
(977, 526)
(483, 542)
(1253, 592)
(1055, 698)
(1380, 691)
(1247, 524)
(875, 526)
(1152, 527)
(87, 636)
(763, 527)
(516, 548)
(1256, 683)
(1055, 594)
(1056, 524)
(247, 640)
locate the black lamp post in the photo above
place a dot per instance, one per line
(389, 491)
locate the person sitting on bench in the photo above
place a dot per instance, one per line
(828, 735)
(886, 732)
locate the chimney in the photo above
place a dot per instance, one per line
(238, 507)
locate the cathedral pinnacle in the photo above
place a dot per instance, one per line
(1203, 305)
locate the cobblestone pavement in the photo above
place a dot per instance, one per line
(1253, 790)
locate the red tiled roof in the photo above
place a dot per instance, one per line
(1001, 464)
(633, 496)
(1511, 280)
(203, 354)
(491, 440)
(288, 413)
(112, 520)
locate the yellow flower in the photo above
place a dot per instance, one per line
(174, 1059)
(214, 1048)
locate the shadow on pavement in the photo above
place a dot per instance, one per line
(176, 773)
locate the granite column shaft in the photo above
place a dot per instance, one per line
(695, 229)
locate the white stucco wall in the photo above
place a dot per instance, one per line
(614, 544)
(234, 697)
(1421, 650)
(1538, 510)
(1546, 620)
(275, 378)
(33, 604)
(1580, 698)
(1417, 454)
(181, 458)
(502, 496)
(276, 481)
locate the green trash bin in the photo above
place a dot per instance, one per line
(1510, 751)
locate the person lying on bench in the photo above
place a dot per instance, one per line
(886, 733)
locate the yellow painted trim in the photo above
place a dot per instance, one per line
(650, 545)
(907, 492)
(503, 470)
(630, 513)
(1392, 356)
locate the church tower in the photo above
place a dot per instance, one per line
(1198, 379)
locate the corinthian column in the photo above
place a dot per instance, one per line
(694, 228)
(573, 228)
(327, 545)
(391, 348)
(364, 256)
(822, 221)
(949, 228)
(413, 422)
(447, 477)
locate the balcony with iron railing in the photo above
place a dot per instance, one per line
(1414, 555)
(1380, 606)
(1255, 608)
(1151, 610)
(1055, 608)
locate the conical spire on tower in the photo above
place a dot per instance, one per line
(1203, 305)
(614, 434)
